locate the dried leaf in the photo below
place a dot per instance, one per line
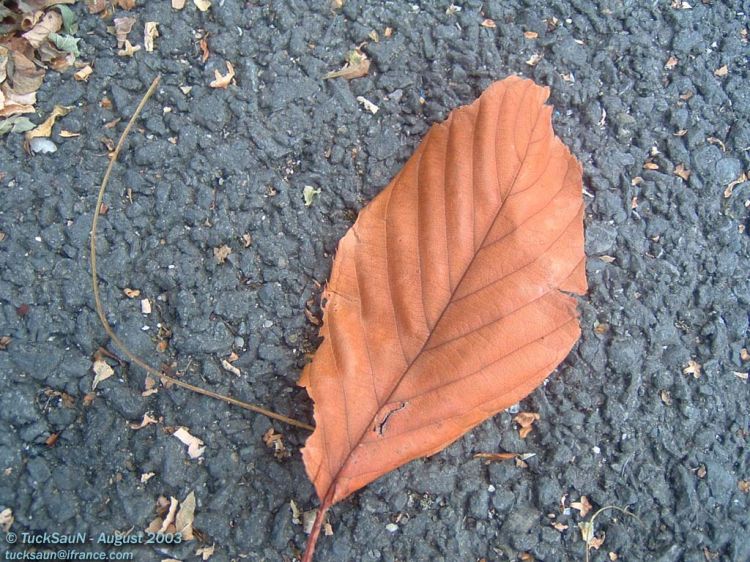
(202, 5)
(183, 522)
(681, 171)
(534, 59)
(132, 293)
(223, 81)
(692, 368)
(496, 456)
(195, 445)
(149, 34)
(369, 106)
(66, 43)
(309, 193)
(6, 519)
(45, 129)
(449, 298)
(5, 342)
(102, 371)
(129, 50)
(526, 421)
(275, 441)
(147, 420)
(357, 65)
(231, 368)
(169, 519)
(530, 34)
(178, 4)
(730, 189)
(126, 4)
(671, 63)
(16, 124)
(50, 23)
(84, 73)
(203, 44)
(221, 253)
(205, 552)
(123, 26)
(743, 485)
(146, 476)
(722, 71)
(583, 506)
(488, 23)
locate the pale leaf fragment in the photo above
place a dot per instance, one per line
(692, 368)
(129, 50)
(150, 33)
(583, 506)
(368, 105)
(45, 129)
(184, 520)
(309, 193)
(102, 371)
(6, 519)
(222, 81)
(202, 5)
(231, 368)
(178, 4)
(205, 552)
(195, 445)
(526, 421)
(169, 519)
(146, 476)
(147, 420)
(357, 65)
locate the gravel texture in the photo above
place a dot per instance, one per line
(620, 421)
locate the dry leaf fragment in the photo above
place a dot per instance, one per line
(126, 4)
(740, 375)
(145, 306)
(730, 189)
(223, 81)
(222, 253)
(129, 49)
(666, 397)
(650, 166)
(559, 527)
(205, 552)
(5, 342)
(150, 33)
(496, 456)
(583, 506)
(309, 193)
(671, 63)
(369, 106)
(464, 234)
(488, 23)
(680, 133)
(607, 259)
(275, 441)
(102, 371)
(722, 71)
(719, 142)
(357, 65)
(131, 293)
(692, 368)
(169, 519)
(122, 27)
(530, 34)
(45, 129)
(387, 32)
(744, 486)
(178, 4)
(146, 476)
(231, 368)
(534, 59)
(203, 44)
(183, 521)
(744, 354)
(50, 23)
(6, 519)
(526, 421)
(296, 513)
(195, 445)
(64, 133)
(202, 5)
(147, 420)
(681, 171)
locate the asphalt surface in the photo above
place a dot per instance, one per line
(621, 423)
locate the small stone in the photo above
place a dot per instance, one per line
(391, 527)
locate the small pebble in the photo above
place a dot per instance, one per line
(391, 527)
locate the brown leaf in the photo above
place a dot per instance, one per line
(530, 34)
(722, 71)
(122, 27)
(357, 65)
(126, 4)
(496, 456)
(583, 506)
(26, 77)
(183, 521)
(692, 368)
(50, 23)
(5, 342)
(223, 81)
(681, 171)
(488, 23)
(526, 421)
(221, 253)
(102, 371)
(45, 129)
(671, 63)
(203, 44)
(448, 299)
(128, 50)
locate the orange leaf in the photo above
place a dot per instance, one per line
(446, 302)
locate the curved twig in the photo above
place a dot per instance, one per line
(100, 309)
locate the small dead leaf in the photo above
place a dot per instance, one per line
(147, 420)
(680, 133)
(369, 106)
(205, 552)
(337, 4)
(357, 65)
(309, 193)
(526, 421)
(129, 49)
(186, 89)
(195, 445)
(744, 486)
(146, 476)
(740, 375)
(150, 33)
(722, 71)
(597, 541)
(122, 27)
(701, 471)
(45, 129)
(203, 44)
(534, 59)
(496, 456)
(169, 518)
(666, 397)
(607, 259)
(530, 34)
(685, 96)
(718, 142)
(559, 527)
(613, 556)
(131, 293)
(50, 23)
(681, 171)
(68, 134)
(105, 103)
(728, 193)
(744, 354)
(184, 519)
(692, 368)
(296, 513)
(275, 441)
(231, 368)
(374, 36)
(178, 4)
(223, 81)
(5, 342)
(650, 166)
(488, 23)
(202, 5)
(671, 63)
(6, 519)
(247, 240)
(145, 306)
(387, 32)
(637, 180)
(126, 4)
(222, 253)
(52, 439)
(102, 371)
(583, 506)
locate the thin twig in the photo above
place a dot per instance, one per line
(100, 309)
